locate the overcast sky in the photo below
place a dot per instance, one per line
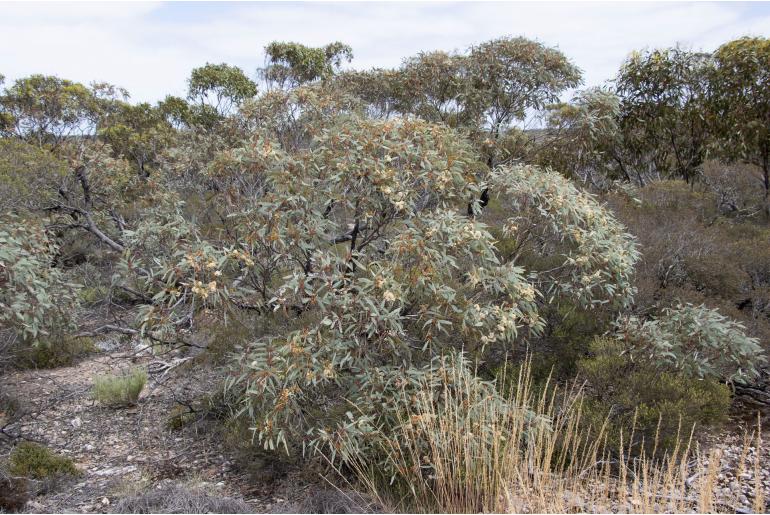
(150, 48)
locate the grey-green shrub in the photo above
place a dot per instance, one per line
(120, 390)
(697, 340)
(37, 302)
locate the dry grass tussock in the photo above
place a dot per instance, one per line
(176, 498)
(536, 458)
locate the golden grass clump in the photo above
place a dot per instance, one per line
(537, 457)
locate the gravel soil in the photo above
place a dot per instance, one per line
(122, 451)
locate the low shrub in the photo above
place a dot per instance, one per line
(645, 408)
(180, 417)
(693, 254)
(120, 390)
(54, 352)
(32, 460)
(328, 500)
(9, 407)
(93, 294)
(568, 333)
(258, 464)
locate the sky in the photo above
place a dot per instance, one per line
(150, 48)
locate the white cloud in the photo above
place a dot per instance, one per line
(150, 48)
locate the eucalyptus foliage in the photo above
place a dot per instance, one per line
(597, 256)
(292, 64)
(696, 340)
(36, 299)
(358, 234)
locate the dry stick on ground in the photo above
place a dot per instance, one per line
(109, 328)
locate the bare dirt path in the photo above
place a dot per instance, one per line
(123, 450)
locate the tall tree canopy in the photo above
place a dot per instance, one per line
(741, 103)
(291, 64)
(46, 110)
(217, 89)
(664, 97)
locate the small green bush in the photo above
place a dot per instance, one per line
(180, 417)
(91, 295)
(54, 353)
(120, 390)
(569, 332)
(654, 404)
(36, 461)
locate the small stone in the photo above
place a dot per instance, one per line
(76, 422)
(105, 501)
(34, 505)
(89, 447)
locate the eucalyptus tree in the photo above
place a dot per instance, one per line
(514, 75)
(664, 106)
(349, 240)
(47, 110)
(436, 88)
(382, 90)
(73, 180)
(288, 64)
(139, 133)
(484, 89)
(583, 139)
(741, 104)
(216, 90)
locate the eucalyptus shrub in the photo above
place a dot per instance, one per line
(349, 239)
(358, 240)
(696, 340)
(167, 263)
(36, 300)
